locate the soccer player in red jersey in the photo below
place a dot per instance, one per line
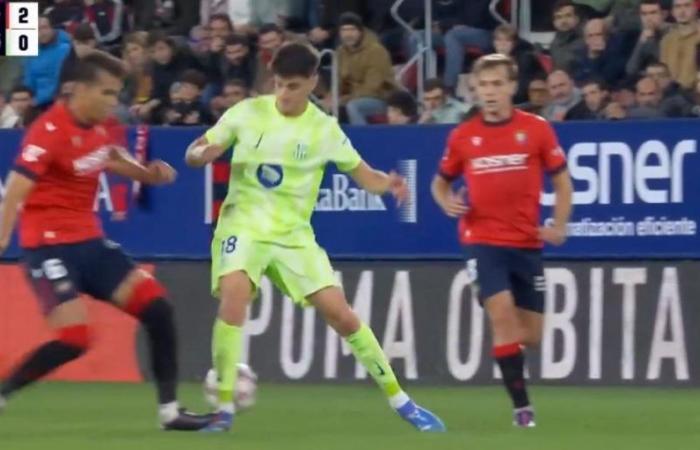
(52, 188)
(503, 153)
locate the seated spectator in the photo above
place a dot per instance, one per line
(169, 62)
(42, 72)
(220, 28)
(675, 102)
(401, 108)
(138, 85)
(327, 13)
(22, 102)
(238, 60)
(232, 93)
(270, 38)
(603, 56)
(183, 106)
(84, 42)
(366, 74)
(563, 95)
(654, 28)
(537, 96)
(648, 97)
(105, 17)
(568, 41)
(66, 14)
(679, 46)
(8, 116)
(438, 106)
(595, 99)
(506, 42)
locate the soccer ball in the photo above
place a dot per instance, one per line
(246, 388)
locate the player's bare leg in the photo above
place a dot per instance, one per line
(334, 308)
(509, 333)
(533, 324)
(236, 294)
(142, 296)
(68, 320)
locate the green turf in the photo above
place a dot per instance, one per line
(107, 416)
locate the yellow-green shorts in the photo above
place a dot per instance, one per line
(296, 271)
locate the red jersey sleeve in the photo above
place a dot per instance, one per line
(35, 155)
(452, 162)
(553, 157)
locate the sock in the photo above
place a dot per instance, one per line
(158, 320)
(512, 363)
(41, 362)
(367, 350)
(168, 412)
(226, 352)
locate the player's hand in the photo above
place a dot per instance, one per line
(161, 172)
(553, 235)
(398, 187)
(455, 206)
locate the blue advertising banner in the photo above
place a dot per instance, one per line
(637, 195)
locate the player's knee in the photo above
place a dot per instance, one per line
(144, 293)
(77, 337)
(533, 337)
(343, 320)
(233, 310)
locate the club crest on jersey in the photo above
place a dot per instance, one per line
(301, 151)
(76, 141)
(521, 137)
(477, 140)
(270, 175)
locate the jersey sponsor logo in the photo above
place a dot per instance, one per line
(270, 175)
(499, 163)
(32, 153)
(92, 162)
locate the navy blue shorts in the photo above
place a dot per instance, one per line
(494, 269)
(59, 273)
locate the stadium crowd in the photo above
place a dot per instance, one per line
(190, 60)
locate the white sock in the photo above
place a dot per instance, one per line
(227, 407)
(399, 400)
(168, 412)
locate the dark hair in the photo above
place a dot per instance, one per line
(236, 82)
(352, 19)
(494, 60)
(160, 36)
(88, 68)
(404, 102)
(560, 4)
(434, 83)
(602, 85)
(237, 39)
(651, 2)
(21, 89)
(508, 31)
(84, 33)
(270, 28)
(295, 59)
(192, 76)
(222, 18)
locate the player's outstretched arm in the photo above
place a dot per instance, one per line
(18, 188)
(452, 204)
(563, 193)
(378, 182)
(201, 152)
(156, 172)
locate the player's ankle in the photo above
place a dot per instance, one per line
(167, 412)
(227, 407)
(399, 400)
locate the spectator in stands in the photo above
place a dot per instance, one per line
(648, 96)
(563, 95)
(473, 30)
(603, 56)
(537, 96)
(401, 108)
(22, 102)
(42, 72)
(105, 17)
(183, 107)
(439, 106)
(366, 74)
(168, 63)
(66, 14)
(138, 85)
(654, 28)
(507, 42)
(270, 38)
(239, 62)
(675, 102)
(567, 41)
(596, 97)
(8, 116)
(327, 12)
(679, 46)
(84, 41)
(232, 93)
(220, 28)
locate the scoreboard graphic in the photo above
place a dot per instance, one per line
(21, 34)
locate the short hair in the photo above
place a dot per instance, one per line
(21, 89)
(236, 82)
(87, 69)
(561, 4)
(222, 18)
(237, 39)
(508, 31)
(270, 28)
(193, 76)
(159, 36)
(434, 83)
(651, 2)
(84, 33)
(494, 60)
(295, 59)
(404, 102)
(602, 85)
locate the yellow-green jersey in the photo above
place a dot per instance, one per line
(276, 168)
